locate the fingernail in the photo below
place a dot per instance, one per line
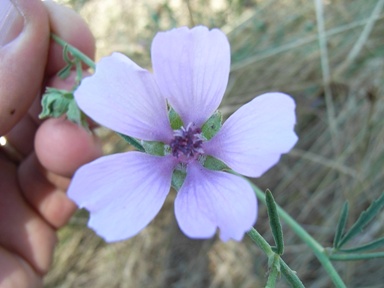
(11, 22)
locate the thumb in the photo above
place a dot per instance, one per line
(24, 40)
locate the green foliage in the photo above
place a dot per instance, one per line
(274, 222)
(341, 225)
(364, 219)
(369, 246)
(56, 102)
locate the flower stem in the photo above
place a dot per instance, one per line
(317, 249)
(75, 52)
(267, 249)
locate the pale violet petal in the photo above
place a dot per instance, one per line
(125, 98)
(123, 192)
(252, 140)
(191, 67)
(214, 199)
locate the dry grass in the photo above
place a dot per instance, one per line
(340, 155)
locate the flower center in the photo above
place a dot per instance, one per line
(187, 143)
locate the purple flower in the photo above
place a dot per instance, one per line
(124, 192)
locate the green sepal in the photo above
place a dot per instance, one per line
(174, 119)
(56, 103)
(154, 147)
(132, 141)
(341, 225)
(275, 224)
(178, 178)
(364, 219)
(212, 163)
(212, 125)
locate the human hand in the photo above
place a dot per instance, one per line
(32, 199)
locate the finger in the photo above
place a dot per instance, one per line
(16, 272)
(22, 230)
(62, 146)
(71, 27)
(22, 64)
(22, 134)
(51, 203)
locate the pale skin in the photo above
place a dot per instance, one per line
(33, 203)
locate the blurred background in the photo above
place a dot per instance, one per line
(336, 78)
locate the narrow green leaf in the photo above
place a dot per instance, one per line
(378, 243)
(274, 222)
(356, 256)
(364, 219)
(132, 142)
(341, 225)
(212, 125)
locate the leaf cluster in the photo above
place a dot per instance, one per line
(343, 237)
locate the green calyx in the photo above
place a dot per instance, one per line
(212, 163)
(154, 148)
(56, 102)
(174, 119)
(212, 125)
(178, 178)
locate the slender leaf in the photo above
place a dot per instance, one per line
(378, 243)
(274, 222)
(355, 256)
(341, 225)
(364, 219)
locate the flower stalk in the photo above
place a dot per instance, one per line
(281, 266)
(319, 251)
(75, 52)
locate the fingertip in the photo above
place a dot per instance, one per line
(62, 146)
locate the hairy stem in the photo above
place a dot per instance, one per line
(75, 52)
(267, 249)
(318, 250)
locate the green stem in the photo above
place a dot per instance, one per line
(267, 249)
(355, 256)
(261, 242)
(274, 271)
(317, 249)
(290, 275)
(75, 52)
